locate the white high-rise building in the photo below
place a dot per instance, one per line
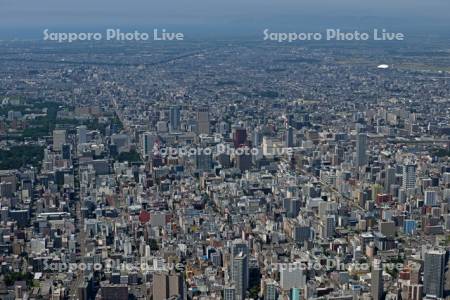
(59, 139)
(292, 277)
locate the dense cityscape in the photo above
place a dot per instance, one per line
(224, 170)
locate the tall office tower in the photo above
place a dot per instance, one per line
(339, 152)
(167, 285)
(256, 137)
(389, 179)
(174, 118)
(289, 120)
(244, 162)
(65, 150)
(361, 148)
(239, 246)
(6, 189)
(292, 278)
(433, 274)
(59, 139)
(148, 140)
(377, 280)
(113, 291)
(413, 292)
(270, 291)
(203, 120)
(239, 136)
(431, 198)
(302, 233)
(289, 138)
(239, 267)
(240, 275)
(203, 161)
(328, 226)
(229, 293)
(82, 134)
(294, 294)
(224, 128)
(409, 177)
(294, 207)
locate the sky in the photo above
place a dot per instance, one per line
(32, 16)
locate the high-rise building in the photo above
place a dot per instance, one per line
(361, 149)
(339, 152)
(114, 291)
(240, 275)
(203, 120)
(167, 285)
(409, 226)
(302, 233)
(6, 189)
(389, 179)
(239, 268)
(203, 161)
(59, 139)
(377, 280)
(174, 118)
(239, 246)
(433, 274)
(224, 128)
(414, 292)
(289, 138)
(431, 198)
(229, 293)
(256, 137)
(270, 291)
(328, 226)
(82, 134)
(409, 177)
(294, 207)
(295, 294)
(239, 136)
(148, 141)
(65, 150)
(292, 278)
(244, 161)
(290, 209)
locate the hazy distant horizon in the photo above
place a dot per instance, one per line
(18, 20)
